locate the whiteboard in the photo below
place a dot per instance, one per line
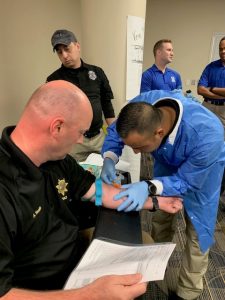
(135, 46)
(214, 52)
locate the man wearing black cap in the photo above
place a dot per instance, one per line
(92, 81)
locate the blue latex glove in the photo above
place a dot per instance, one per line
(136, 193)
(108, 174)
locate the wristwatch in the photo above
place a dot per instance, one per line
(155, 203)
(151, 188)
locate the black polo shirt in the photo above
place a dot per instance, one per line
(94, 83)
(39, 218)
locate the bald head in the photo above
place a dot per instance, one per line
(54, 119)
(59, 97)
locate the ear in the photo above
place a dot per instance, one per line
(56, 126)
(159, 132)
(158, 51)
(78, 46)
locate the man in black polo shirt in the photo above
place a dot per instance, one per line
(41, 188)
(92, 81)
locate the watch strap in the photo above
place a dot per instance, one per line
(155, 204)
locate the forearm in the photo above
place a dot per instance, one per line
(206, 93)
(20, 294)
(168, 204)
(108, 193)
(218, 91)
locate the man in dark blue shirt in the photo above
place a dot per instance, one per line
(212, 87)
(159, 77)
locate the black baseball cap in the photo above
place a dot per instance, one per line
(62, 36)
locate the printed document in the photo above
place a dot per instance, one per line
(106, 257)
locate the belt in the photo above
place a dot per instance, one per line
(215, 102)
(90, 135)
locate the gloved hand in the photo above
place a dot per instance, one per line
(136, 193)
(108, 174)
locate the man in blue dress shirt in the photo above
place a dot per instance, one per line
(212, 87)
(159, 77)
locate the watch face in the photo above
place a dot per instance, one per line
(152, 188)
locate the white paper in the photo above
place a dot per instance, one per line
(107, 258)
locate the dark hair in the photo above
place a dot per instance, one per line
(158, 45)
(223, 38)
(140, 117)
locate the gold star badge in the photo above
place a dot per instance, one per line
(61, 186)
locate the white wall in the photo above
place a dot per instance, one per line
(26, 56)
(104, 25)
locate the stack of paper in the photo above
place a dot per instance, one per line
(105, 257)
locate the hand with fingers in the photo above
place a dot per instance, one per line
(118, 287)
(136, 195)
(108, 173)
(170, 204)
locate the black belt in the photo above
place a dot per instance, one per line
(215, 102)
(90, 135)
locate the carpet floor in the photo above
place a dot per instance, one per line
(214, 279)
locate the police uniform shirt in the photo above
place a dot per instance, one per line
(38, 217)
(94, 83)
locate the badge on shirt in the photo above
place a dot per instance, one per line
(173, 79)
(92, 75)
(62, 188)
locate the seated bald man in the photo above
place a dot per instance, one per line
(41, 191)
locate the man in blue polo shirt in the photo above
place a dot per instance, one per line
(212, 87)
(159, 77)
